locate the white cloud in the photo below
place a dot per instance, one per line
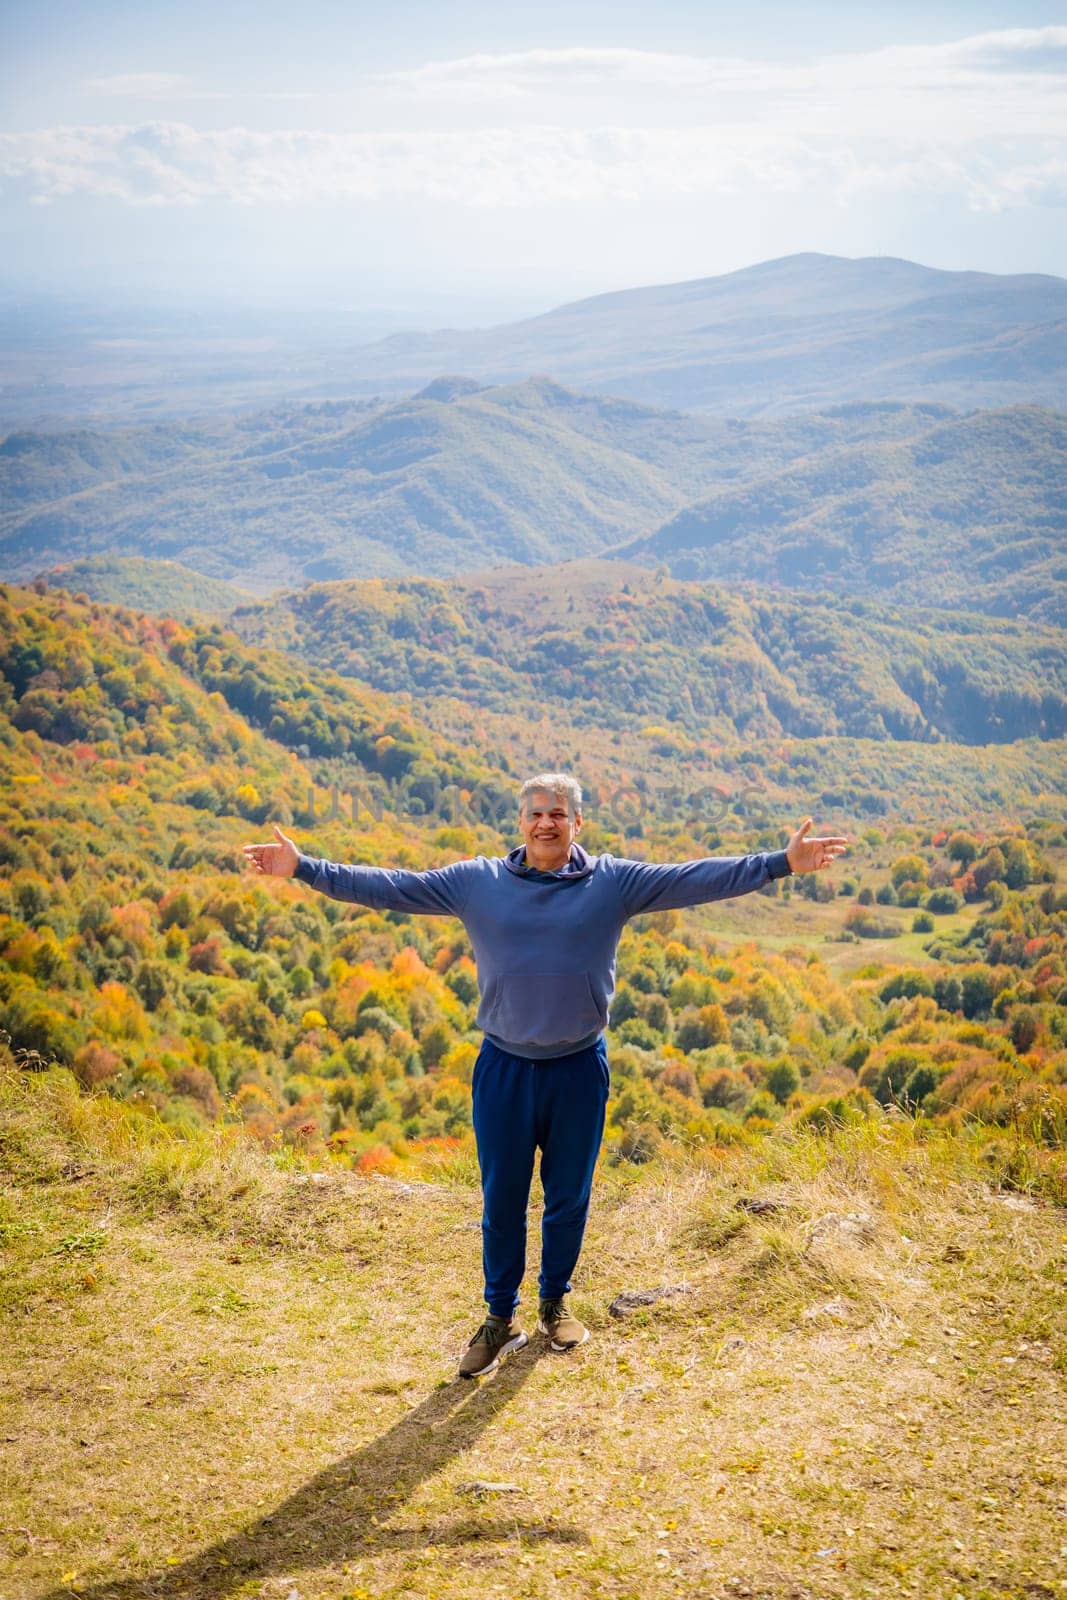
(1022, 52)
(523, 73)
(167, 163)
(982, 119)
(1027, 50)
(1010, 84)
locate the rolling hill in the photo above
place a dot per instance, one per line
(188, 715)
(616, 646)
(451, 478)
(156, 587)
(458, 477)
(972, 513)
(136, 756)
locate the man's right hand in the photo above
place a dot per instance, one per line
(275, 860)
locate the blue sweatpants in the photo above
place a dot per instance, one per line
(521, 1106)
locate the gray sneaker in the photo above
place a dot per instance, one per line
(563, 1330)
(495, 1338)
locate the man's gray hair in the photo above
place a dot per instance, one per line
(554, 783)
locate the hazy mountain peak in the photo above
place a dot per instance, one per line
(798, 333)
(449, 387)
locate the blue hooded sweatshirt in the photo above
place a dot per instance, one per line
(545, 942)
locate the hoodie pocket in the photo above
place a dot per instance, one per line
(540, 1008)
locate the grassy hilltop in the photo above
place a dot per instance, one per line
(227, 1373)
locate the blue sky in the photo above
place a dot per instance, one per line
(479, 160)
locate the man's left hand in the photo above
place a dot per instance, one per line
(808, 855)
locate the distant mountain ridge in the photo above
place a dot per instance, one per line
(799, 333)
(460, 476)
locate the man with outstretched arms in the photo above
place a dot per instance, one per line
(544, 922)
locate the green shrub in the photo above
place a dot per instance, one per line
(868, 925)
(906, 984)
(781, 1080)
(942, 902)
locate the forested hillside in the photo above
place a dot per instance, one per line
(620, 648)
(907, 503)
(137, 756)
(972, 514)
(156, 587)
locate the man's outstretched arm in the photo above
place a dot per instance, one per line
(648, 886)
(442, 891)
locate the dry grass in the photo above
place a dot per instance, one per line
(225, 1378)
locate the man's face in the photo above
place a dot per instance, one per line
(548, 828)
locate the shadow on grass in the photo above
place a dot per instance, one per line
(338, 1514)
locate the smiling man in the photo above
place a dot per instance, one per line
(544, 922)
